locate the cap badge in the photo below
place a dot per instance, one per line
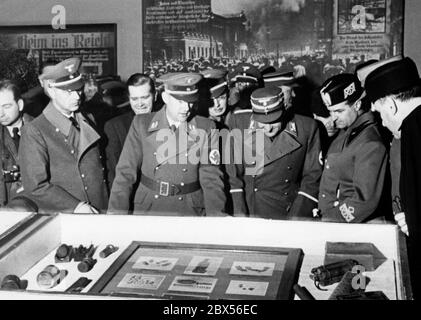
(189, 80)
(245, 68)
(326, 98)
(350, 90)
(69, 68)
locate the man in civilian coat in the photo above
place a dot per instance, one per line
(175, 156)
(12, 120)
(142, 96)
(283, 181)
(395, 92)
(59, 154)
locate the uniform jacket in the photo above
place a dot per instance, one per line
(61, 166)
(116, 131)
(354, 175)
(286, 178)
(9, 155)
(147, 152)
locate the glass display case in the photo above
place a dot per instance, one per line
(190, 258)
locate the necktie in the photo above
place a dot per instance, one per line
(16, 137)
(74, 123)
(173, 128)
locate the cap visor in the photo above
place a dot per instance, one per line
(217, 93)
(243, 79)
(272, 117)
(191, 98)
(78, 85)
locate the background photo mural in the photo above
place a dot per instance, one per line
(318, 38)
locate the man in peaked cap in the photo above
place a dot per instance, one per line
(217, 86)
(283, 80)
(246, 78)
(175, 156)
(59, 152)
(394, 89)
(353, 180)
(283, 182)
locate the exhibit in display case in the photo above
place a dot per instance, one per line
(140, 257)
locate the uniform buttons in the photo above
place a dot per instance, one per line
(336, 204)
(289, 168)
(182, 184)
(57, 130)
(105, 181)
(157, 168)
(286, 181)
(180, 199)
(323, 196)
(327, 167)
(65, 140)
(286, 193)
(83, 176)
(86, 188)
(155, 154)
(100, 157)
(184, 170)
(103, 169)
(156, 197)
(255, 189)
(72, 152)
(253, 163)
(187, 154)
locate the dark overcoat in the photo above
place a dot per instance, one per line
(61, 166)
(353, 179)
(286, 176)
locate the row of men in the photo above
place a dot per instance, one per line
(62, 168)
(286, 182)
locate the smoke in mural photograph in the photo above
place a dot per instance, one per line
(318, 37)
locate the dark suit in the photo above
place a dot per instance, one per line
(286, 176)
(116, 131)
(9, 160)
(61, 166)
(144, 153)
(353, 179)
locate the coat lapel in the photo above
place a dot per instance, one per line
(284, 144)
(88, 136)
(10, 145)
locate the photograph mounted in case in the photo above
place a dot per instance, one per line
(165, 270)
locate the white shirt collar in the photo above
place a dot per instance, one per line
(18, 124)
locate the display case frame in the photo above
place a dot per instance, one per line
(223, 280)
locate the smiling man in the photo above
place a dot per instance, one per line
(182, 180)
(59, 150)
(353, 178)
(142, 96)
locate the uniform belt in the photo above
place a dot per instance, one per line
(167, 189)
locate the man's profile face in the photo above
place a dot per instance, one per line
(141, 98)
(177, 110)
(343, 115)
(9, 108)
(387, 110)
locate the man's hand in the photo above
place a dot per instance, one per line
(85, 208)
(401, 221)
(328, 123)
